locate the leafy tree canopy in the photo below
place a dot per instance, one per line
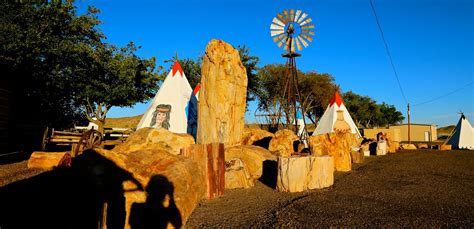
(59, 64)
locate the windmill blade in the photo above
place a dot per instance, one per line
(292, 14)
(305, 44)
(308, 26)
(287, 17)
(282, 19)
(310, 32)
(287, 44)
(282, 42)
(303, 16)
(276, 32)
(305, 36)
(298, 12)
(276, 27)
(298, 44)
(278, 22)
(306, 21)
(279, 37)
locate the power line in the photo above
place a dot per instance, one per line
(388, 50)
(442, 96)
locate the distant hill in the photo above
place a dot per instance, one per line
(125, 122)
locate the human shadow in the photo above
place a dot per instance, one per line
(159, 210)
(75, 197)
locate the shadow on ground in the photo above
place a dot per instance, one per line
(88, 194)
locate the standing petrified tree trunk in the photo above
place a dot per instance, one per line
(222, 97)
(210, 159)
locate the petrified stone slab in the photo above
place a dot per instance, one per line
(237, 175)
(250, 136)
(179, 176)
(222, 95)
(296, 174)
(49, 160)
(282, 143)
(337, 145)
(445, 147)
(152, 138)
(252, 157)
(408, 146)
(381, 148)
(422, 146)
(357, 156)
(210, 159)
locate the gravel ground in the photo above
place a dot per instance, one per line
(411, 188)
(406, 189)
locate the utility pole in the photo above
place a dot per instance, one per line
(409, 139)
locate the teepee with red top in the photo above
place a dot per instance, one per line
(176, 92)
(329, 118)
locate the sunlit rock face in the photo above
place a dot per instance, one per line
(222, 96)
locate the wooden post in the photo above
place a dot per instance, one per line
(211, 161)
(409, 139)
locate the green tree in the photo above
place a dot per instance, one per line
(367, 113)
(315, 89)
(56, 60)
(116, 77)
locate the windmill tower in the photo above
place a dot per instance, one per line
(291, 30)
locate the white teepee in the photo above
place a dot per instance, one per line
(463, 135)
(174, 95)
(327, 121)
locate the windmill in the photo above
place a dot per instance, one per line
(291, 30)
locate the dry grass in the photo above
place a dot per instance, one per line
(124, 122)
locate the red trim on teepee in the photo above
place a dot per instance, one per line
(336, 99)
(176, 67)
(196, 89)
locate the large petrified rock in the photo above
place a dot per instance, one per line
(357, 155)
(49, 160)
(252, 157)
(210, 159)
(237, 175)
(176, 180)
(152, 138)
(337, 145)
(408, 146)
(222, 96)
(296, 174)
(381, 148)
(282, 143)
(250, 136)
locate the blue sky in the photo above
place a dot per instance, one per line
(431, 42)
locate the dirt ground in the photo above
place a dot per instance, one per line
(406, 189)
(411, 188)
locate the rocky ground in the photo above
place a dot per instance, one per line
(411, 188)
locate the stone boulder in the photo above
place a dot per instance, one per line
(222, 96)
(337, 145)
(297, 174)
(237, 175)
(282, 143)
(175, 179)
(250, 135)
(357, 155)
(408, 146)
(252, 157)
(445, 147)
(422, 146)
(152, 138)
